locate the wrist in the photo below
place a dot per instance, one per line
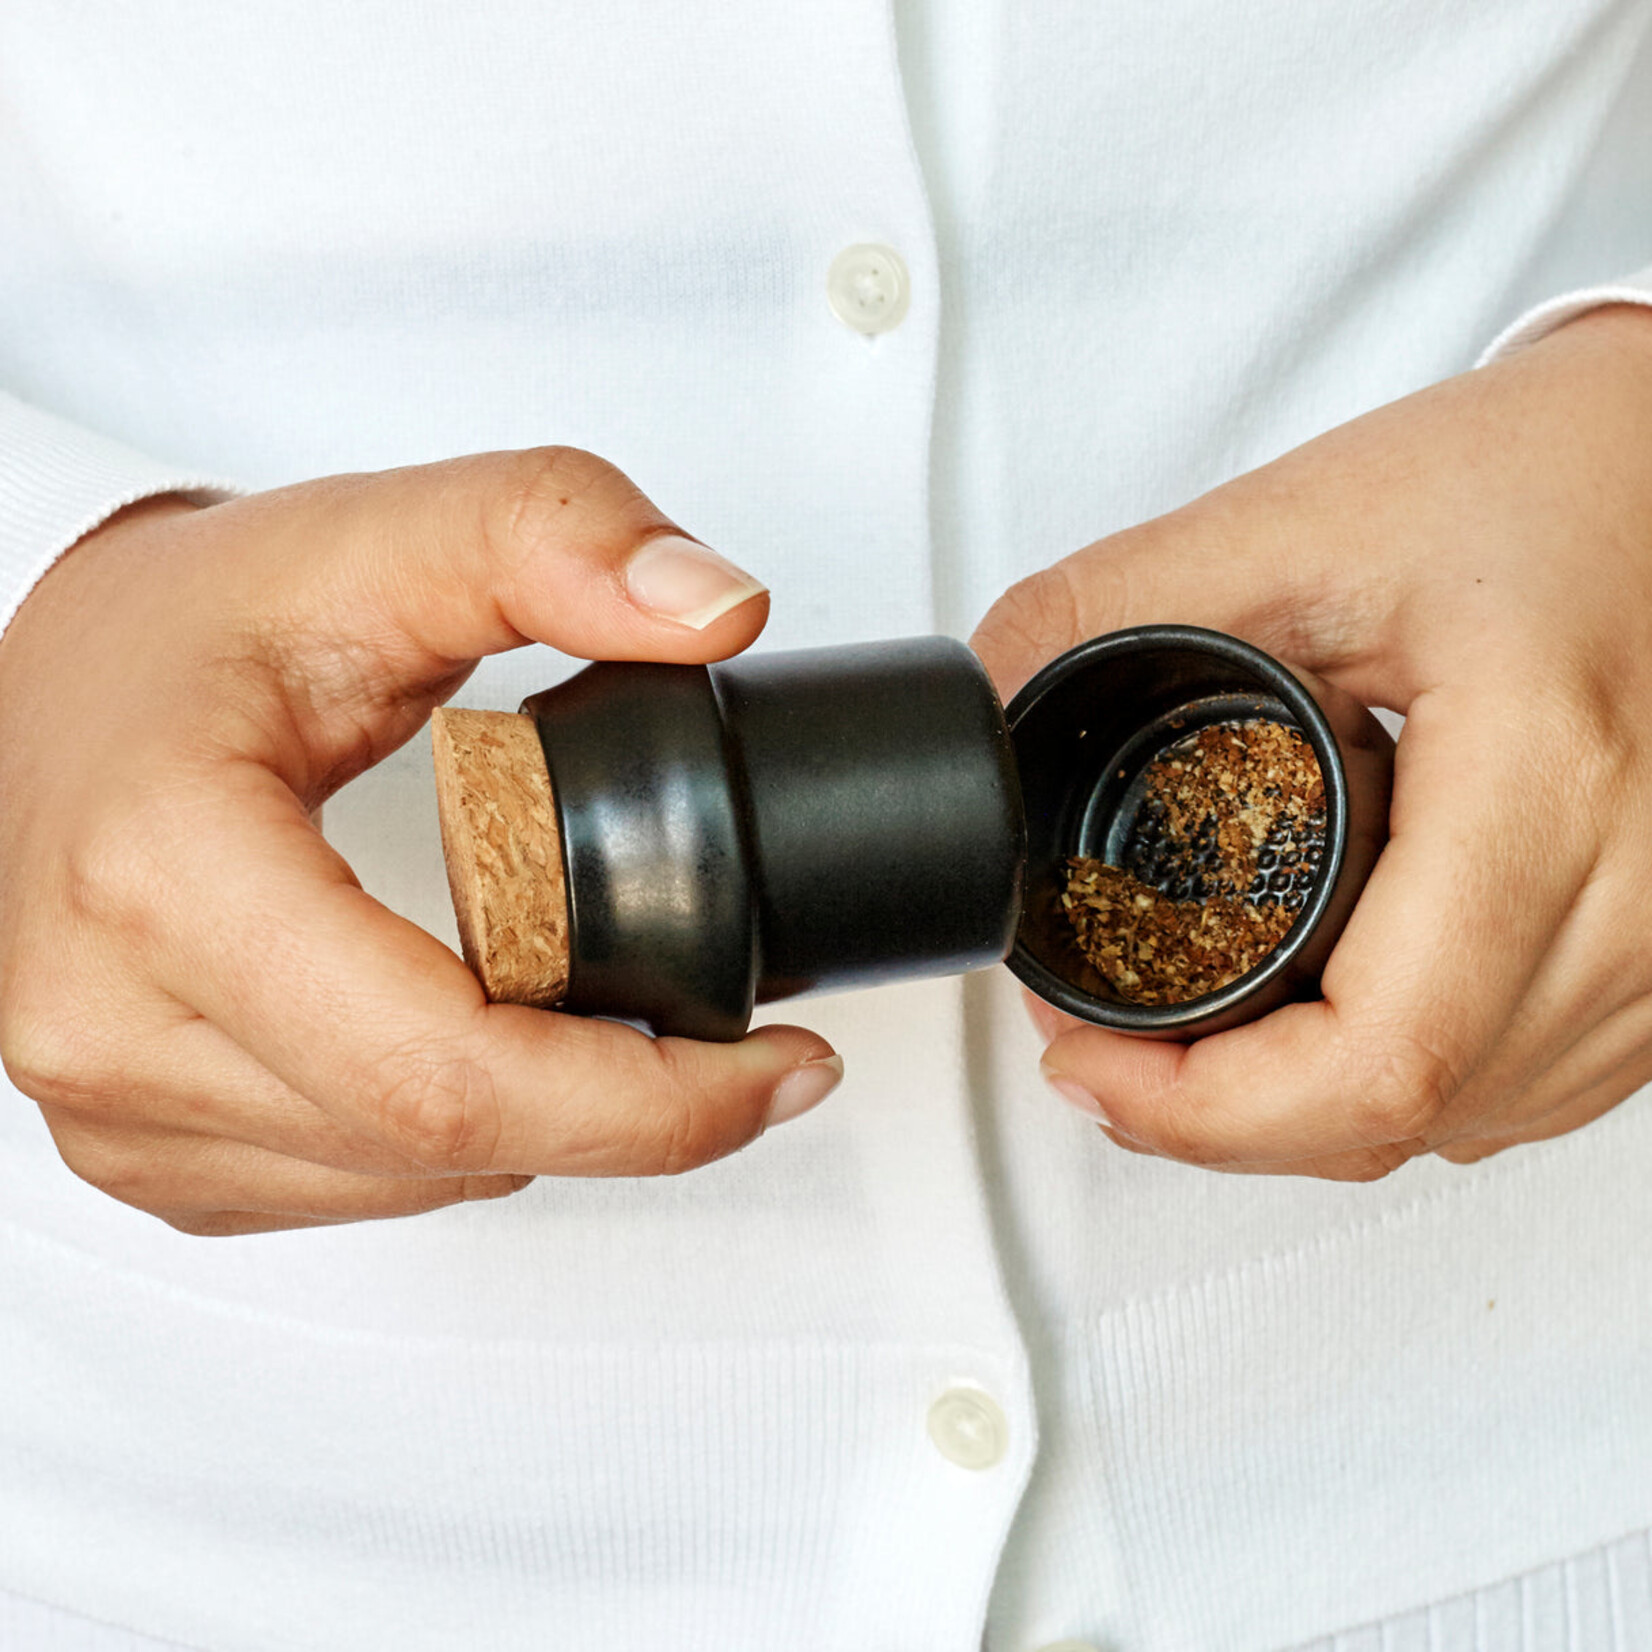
(66, 594)
(1589, 385)
(155, 505)
(1623, 328)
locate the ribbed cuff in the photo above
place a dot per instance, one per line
(58, 482)
(1542, 319)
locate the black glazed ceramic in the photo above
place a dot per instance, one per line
(1084, 730)
(777, 824)
(785, 823)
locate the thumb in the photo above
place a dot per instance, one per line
(434, 566)
(1222, 562)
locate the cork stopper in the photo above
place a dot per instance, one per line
(503, 853)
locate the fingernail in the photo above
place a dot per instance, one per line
(804, 1087)
(684, 581)
(1075, 1095)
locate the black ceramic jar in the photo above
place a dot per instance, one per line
(777, 824)
(784, 823)
(1085, 730)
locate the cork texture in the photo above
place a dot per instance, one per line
(503, 853)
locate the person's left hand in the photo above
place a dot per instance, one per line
(1479, 557)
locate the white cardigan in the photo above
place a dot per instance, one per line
(1150, 246)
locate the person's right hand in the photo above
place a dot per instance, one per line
(218, 1024)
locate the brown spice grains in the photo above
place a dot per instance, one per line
(1223, 851)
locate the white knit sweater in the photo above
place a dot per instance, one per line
(1150, 246)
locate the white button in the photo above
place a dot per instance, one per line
(867, 288)
(968, 1428)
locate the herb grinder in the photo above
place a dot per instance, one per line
(672, 845)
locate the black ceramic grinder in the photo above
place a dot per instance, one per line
(672, 844)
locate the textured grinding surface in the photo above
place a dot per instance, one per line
(1237, 809)
(1222, 853)
(503, 853)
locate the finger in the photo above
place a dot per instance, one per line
(550, 544)
(231, 1224)
(1361, 1164)
(1364, 1164)
(1554, 1070)
(1594, 1074)
(385, 1030)
(1576, 1110)
(448, 562)
(1439, 954)
(176, 1175)
(146, 1061)
(1204, 566)
(1586, 1018)
(370, 597)
(1347, 589)
(177, 1074)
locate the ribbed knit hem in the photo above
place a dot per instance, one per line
(58, 482)
(1541, 320)
(1595, 1602)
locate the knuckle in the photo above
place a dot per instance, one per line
(540, 484)
(694, 1127)
(1369, 1164)
(50, 1060)
(440, 1108)
(1409, 1093)
(1034, 618)
(131, 1178)
(111, 872)
(1180, 1139)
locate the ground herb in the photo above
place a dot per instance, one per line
(1221, 855)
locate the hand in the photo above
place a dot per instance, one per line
(218, 1024)
(1479, 557)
